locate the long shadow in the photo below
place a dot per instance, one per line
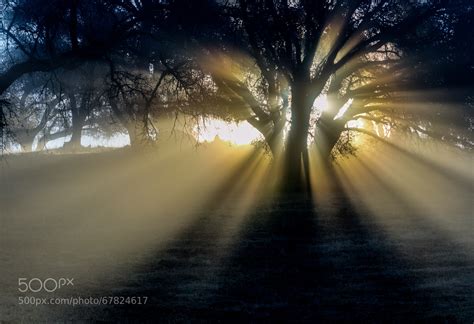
(429, 249)
(292, 263)
(295, 265)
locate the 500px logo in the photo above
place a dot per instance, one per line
(49, 284)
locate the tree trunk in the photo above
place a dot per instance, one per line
(137, 133)
(79, 115)
(275, 144)
(327, 134)
(296, 166)
(78, 120)
(27, 144)
(275, 139)
(133, 135)
(25, 138)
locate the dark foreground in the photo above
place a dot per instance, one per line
(293, 266)
(284, 262)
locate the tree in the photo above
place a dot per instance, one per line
(269, 62)
(308, 49)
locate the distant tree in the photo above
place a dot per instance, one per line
(47, 36)
(42, 36)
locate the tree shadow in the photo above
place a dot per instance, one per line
(296, 265)
(291, 262)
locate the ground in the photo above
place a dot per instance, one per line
(121, 226)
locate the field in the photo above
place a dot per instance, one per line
(203, 245)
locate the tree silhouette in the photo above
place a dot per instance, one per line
(384, 67)
(276, 56)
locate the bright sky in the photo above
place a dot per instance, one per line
(237, 133)
(118, 140)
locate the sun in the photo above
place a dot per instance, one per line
(241, 133)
